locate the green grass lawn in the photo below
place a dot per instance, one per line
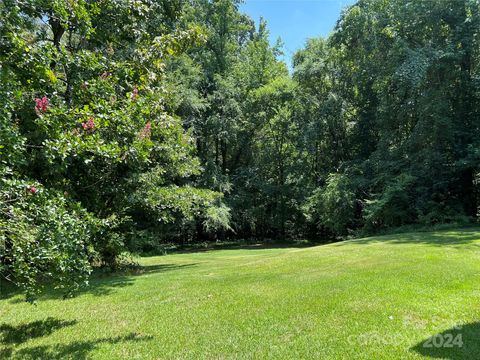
(374, 298)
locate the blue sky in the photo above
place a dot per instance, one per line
(296, 20)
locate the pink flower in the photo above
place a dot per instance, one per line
(89, 125)
(41, 105)
(33, 190)
(146, 131)
(104, 75)
(134, 93)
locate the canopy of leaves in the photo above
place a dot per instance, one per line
(127, 124)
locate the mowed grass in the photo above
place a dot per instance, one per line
(374, 298)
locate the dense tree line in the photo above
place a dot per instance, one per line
(393, 104)
(377, 127)
(128, 124)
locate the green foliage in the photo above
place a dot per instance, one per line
(388, 100)
(217, 218)
(394, 206)
(84, 115)
(332, 207)
(147, 122)
(164, 204)
(44, 239)
(388, 96)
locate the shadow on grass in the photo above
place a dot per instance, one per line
(104, 283)
(73, 350)
(101, 283)
(235, 245)
(17, 334)
(450, 238)
(457, 343)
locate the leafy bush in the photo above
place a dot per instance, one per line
(333, 206)
(86, 144)
(393, 206)
(44, 238)
(217, 218)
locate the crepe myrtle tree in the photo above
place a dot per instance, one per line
(82, 122)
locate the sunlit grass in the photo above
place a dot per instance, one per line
(371, 298)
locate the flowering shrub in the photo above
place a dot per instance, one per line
(146, 131)
(41, 105)
(134, 93)
(66, 200)
(89, 124)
